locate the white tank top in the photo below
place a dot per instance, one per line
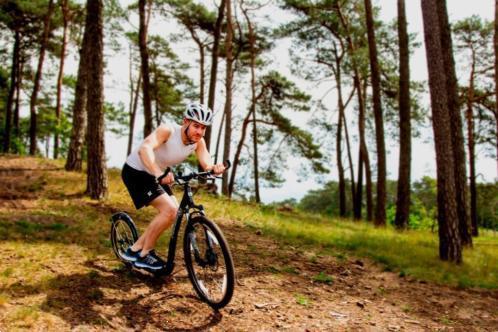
(170, 153)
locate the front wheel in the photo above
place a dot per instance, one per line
(209, 262)
(123, 234)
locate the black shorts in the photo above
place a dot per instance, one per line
(142, 186)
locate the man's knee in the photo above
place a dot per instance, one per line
(169, 213)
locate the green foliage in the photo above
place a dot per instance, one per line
(302, 300)
(487, 205)
(423, 208)
(192, 15)
(116, 118)
(323, 278)
(169, 84)
(325, 200)
(278, 97)
(474, 52)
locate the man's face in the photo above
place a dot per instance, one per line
(196, 130)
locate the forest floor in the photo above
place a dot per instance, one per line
(57, 272)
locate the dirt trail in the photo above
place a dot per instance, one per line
(277, 289)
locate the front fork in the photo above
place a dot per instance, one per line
(209, 258)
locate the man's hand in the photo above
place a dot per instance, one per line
(218, 168)
(168, 179)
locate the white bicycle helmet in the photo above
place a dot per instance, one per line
(199, 113)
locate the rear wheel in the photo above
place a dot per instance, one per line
(123, 235)
(209, 262)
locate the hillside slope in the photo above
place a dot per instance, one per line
(58, 272)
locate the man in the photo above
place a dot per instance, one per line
(165, 146)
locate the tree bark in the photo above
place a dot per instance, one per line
(495, 44)
(144, 57)
(38, 76)
(471, 147)
(214, 66)
(133, 111)
(218, 139)
(405, 146)
(228, 88)
(380, 208)
(14, 77)
(252, 54)
(74, 160)
(236, 157)
(58, 107)
(202, 79)
(340, 106)
(449, 237)
(457, 141)
(350, 159)
(96, 170)
(363, 152)
(359, 188)
(20, 70)
(366, 160)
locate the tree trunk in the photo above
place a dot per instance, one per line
(380, 208)
(144, 57)
(228, 89)
(218, 139)
(458, 145)
(359, 188)
(38, 75)
(20, 70)
(256, 163)
(202, 74)
(133, 110)
(495, 44)
(96, 170)
(252, 54)
(471, 145)
(405, 145)
(58, 106)
(350, 159)
(74, 160)
(14, 77)
(363, 152)
(155, 93)
(366, 160)
(236, 157)
(200, 45)
(214, 66)
(449, 238)
(340, 106)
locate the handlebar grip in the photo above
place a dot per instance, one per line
(164, 174)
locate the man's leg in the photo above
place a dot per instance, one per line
(167, 207)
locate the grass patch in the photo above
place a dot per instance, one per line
(290, 270)
(71, 228)
(302, 300)
(272, 269)
(26, 316)
(412, 252)
(323, 278)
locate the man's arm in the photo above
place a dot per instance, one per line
(151, 142)
(205, 159)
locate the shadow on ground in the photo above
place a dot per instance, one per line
(120, 298)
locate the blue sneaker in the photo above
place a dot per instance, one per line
(150, 261)
(131, 255)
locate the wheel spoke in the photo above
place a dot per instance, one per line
(210, 270)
